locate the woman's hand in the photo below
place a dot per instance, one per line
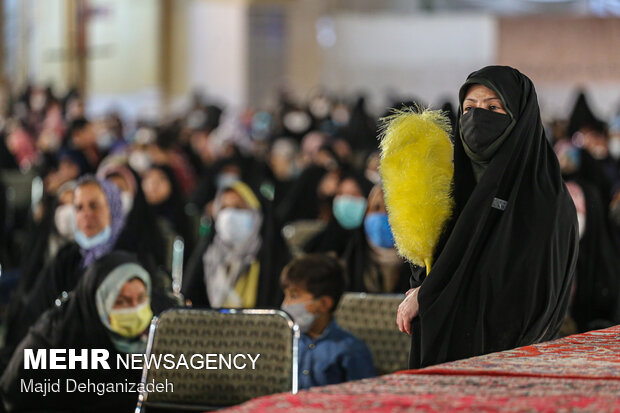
(407, 310)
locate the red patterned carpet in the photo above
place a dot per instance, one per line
(589, 355)
(580, 373)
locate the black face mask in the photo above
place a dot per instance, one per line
(481, 127)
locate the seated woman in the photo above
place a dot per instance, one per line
(384, 271)
(238, 265)
(109, 309)
(596, 295)
(164, 194)
(362, 239)
(99, 221)
(55, 230)
(139, 233)
(344, 233)
(45, 239)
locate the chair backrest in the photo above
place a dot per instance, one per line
(18, 187)
(372, 319)
(225, 334)
(169, 236)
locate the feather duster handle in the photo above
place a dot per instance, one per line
(416, 170)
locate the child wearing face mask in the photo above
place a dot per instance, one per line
(313, 285)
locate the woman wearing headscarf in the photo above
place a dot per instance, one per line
(384, 271)
(347, 215)
(311, 194)
(504, 266)
(361, 130)
(344, 233)
(360, 236)
(139, 234)
(237, 167)
(109, 309)
(99, 221)
(597, 285)
(54, 230)
(239, 264)
(163, 193)
(589, 133)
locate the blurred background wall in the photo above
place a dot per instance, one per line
(147, 57)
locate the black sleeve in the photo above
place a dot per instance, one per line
(60, 275)
(193, 287)
(10, 382)
(418, 274)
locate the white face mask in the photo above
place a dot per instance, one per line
(140, 161)
(300, 315)
(581, 221)
(127, 202)
(614, 147)
(235, 226)
(297, 121)
(226, 179)
(37, 101)
(105, 140)
(64, 218)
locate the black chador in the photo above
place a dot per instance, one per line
(504, 266)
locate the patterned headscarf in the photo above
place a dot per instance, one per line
(117, 166)
(117, 219)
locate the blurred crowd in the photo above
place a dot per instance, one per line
(246, 192)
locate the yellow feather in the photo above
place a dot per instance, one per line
(416, 169)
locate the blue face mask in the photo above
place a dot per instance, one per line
(349, 210)
(88, 243)
(378, 230)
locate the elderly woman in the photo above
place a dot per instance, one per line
(109, 309)
(239, 264)
(505, 263)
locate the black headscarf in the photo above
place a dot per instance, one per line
(254, 172)
(582, 116)
(302, 201)
(334, 237)
(448, 110)
(172, 209)
(7, 160)
(140, 235)
(74, 325)
(502, 271)
(361, 131)
(598, 269)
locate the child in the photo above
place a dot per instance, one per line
(313, 285)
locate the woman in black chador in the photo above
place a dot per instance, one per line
(109, 309)
(504, 266)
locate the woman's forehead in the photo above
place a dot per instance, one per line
(89, 190)
(480, 92)
(232, 197)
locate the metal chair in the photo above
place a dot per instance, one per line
(270, 333)
(372, 319)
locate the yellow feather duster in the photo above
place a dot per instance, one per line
(416, 169)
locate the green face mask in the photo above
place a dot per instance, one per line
(130, 322)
